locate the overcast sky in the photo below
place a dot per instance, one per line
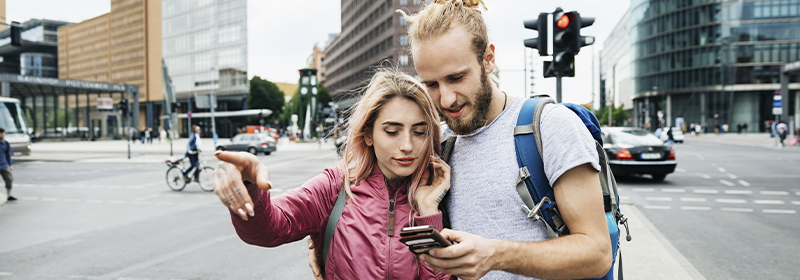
(281, 34)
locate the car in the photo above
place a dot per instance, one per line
(677, 134)
(633, 151)
(249, 142)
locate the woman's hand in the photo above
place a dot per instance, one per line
(229, 177)
(429, 196)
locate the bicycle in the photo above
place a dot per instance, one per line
(177, 182)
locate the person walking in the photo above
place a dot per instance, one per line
(193, 149)
(670, 138)
(5, 163)
(658, 132)
(384, 175)
(782, 130)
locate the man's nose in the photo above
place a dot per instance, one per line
(447, 96)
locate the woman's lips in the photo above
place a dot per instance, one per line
(405, 161)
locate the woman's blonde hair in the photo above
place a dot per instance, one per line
(359, 158)
(437, 18)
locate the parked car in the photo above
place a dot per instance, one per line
(633, 151)
(249, 142)
(677, 134)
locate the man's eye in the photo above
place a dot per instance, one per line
(455, 79)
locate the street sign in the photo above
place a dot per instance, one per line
(105, 103)
(777, 103)
(205, 100)
(189, 114)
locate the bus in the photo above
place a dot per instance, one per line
(12, 119)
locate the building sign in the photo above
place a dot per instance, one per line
(105, 103)
(65, 83)
(791, 66)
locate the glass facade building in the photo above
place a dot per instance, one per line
(711, 61)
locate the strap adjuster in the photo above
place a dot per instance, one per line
(524, 174)
(533, 214)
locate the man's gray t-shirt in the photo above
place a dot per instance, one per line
(483, 198)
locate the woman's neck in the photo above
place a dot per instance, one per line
(397, 181)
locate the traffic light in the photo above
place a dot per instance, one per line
(563, 44)
(577, 24)
(540, 25)
(16, 34)
(123, 107)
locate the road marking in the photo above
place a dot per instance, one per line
(165, 203)
(141, 202)
(729, 184)
(732, 176)
(644, 189)
(721, 169)
(627, 198)
(705, 176)
(768, 202)
(737, 209)
(115, 187)
(693, 199)
(744, 183)
(680, 169)
(29, 198)
(740, 201)
(779, 211)
(658, 198)
(796, 202)
(147, 196)
(117, 201)
(696, 208)
(6, 273)
(71, 200)
(700, 157)
(94, 201)
(706, 191)
(49, 199)
(774, 193)
(738, 192)
(673, 190)
(660, 207)
(797, 193)
(188, 204)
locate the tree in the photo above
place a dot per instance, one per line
(265, 95)
(618, 114)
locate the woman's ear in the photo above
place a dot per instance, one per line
(368, 137)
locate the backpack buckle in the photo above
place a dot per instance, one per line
(533, 214)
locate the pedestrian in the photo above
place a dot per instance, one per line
(658, 132)
(716, 129)
(698, 129)
(193, 149)
(162, 136)
(670, 138)
(142, 134)
(782, 130)
(148, 134)
(495, 239)
(744, 128)
(738, 128)
(390, 156)
(5, 163)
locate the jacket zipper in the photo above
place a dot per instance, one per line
(390, 230)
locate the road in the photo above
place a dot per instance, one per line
(731, 210)
(119, 220)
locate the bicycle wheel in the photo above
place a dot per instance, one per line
(175, 179)
(207, 179)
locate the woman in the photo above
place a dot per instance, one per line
(389, 155)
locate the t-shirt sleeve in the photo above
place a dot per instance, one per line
(566, 143)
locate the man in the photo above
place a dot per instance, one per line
(193, 147)
(496, 240)
(782, 128)
(5, 163)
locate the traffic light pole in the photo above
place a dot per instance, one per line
(128, 123)
(558, 88)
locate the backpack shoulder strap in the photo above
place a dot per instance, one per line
(447, 151)
(333, 220)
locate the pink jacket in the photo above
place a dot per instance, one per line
(363, 246)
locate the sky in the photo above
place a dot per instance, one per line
(281, 35)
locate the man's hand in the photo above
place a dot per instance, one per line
(229, 177)
(312, 261)
(10, 168)
(471, 258)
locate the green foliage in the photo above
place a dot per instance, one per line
(618, 114)
(265, 95)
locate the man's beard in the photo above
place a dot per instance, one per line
(483, 98)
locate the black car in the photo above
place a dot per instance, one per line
(633, 151)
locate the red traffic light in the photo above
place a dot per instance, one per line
(563, 22)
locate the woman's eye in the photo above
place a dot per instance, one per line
(420, 133)
(391, 132)
(431, 85)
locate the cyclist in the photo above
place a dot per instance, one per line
(192, 152)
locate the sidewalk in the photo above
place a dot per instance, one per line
(650, 255)
(750, 139)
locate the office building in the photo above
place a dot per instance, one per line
(37, 55)
(615, 65)
(120, 47)
(371, 32)
(709, 62)
(3, 15)
(317, 61)
(205, 50)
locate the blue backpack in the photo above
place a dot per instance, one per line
(536, 192)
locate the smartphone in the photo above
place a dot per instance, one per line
(422, 239)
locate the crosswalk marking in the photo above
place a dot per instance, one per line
(644, 189)
(49, 199)
(693, 199)
(71, 200)
(94, 201)
(774, 193)
(739, 201)
(659, 207)
(116, 201)
(721, 169)
(706, 191)
(796, 202)
(704, 176)
(779, 211)
(737, 209)
(738, 192)
(768, 202)
(680, 169)
(695, 208)
(658, 198)
(729, 184)
(29, 198)
(732, 176)
(673, 190)
(624, 198)
(797, 193)
(744, 183)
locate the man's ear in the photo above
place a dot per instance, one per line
(488, 59)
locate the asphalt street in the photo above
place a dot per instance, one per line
(120, 220)
(731, 210)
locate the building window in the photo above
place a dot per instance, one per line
(403, 21)
(232, 57)
(416, 2)
(403, 60)
(202, 40)
(230, 34)
(404, 40)
(403, 2)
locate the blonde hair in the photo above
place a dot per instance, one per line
(359, 158)
(440, 16)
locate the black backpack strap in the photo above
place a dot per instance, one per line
(447, 151)
(333, 220)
